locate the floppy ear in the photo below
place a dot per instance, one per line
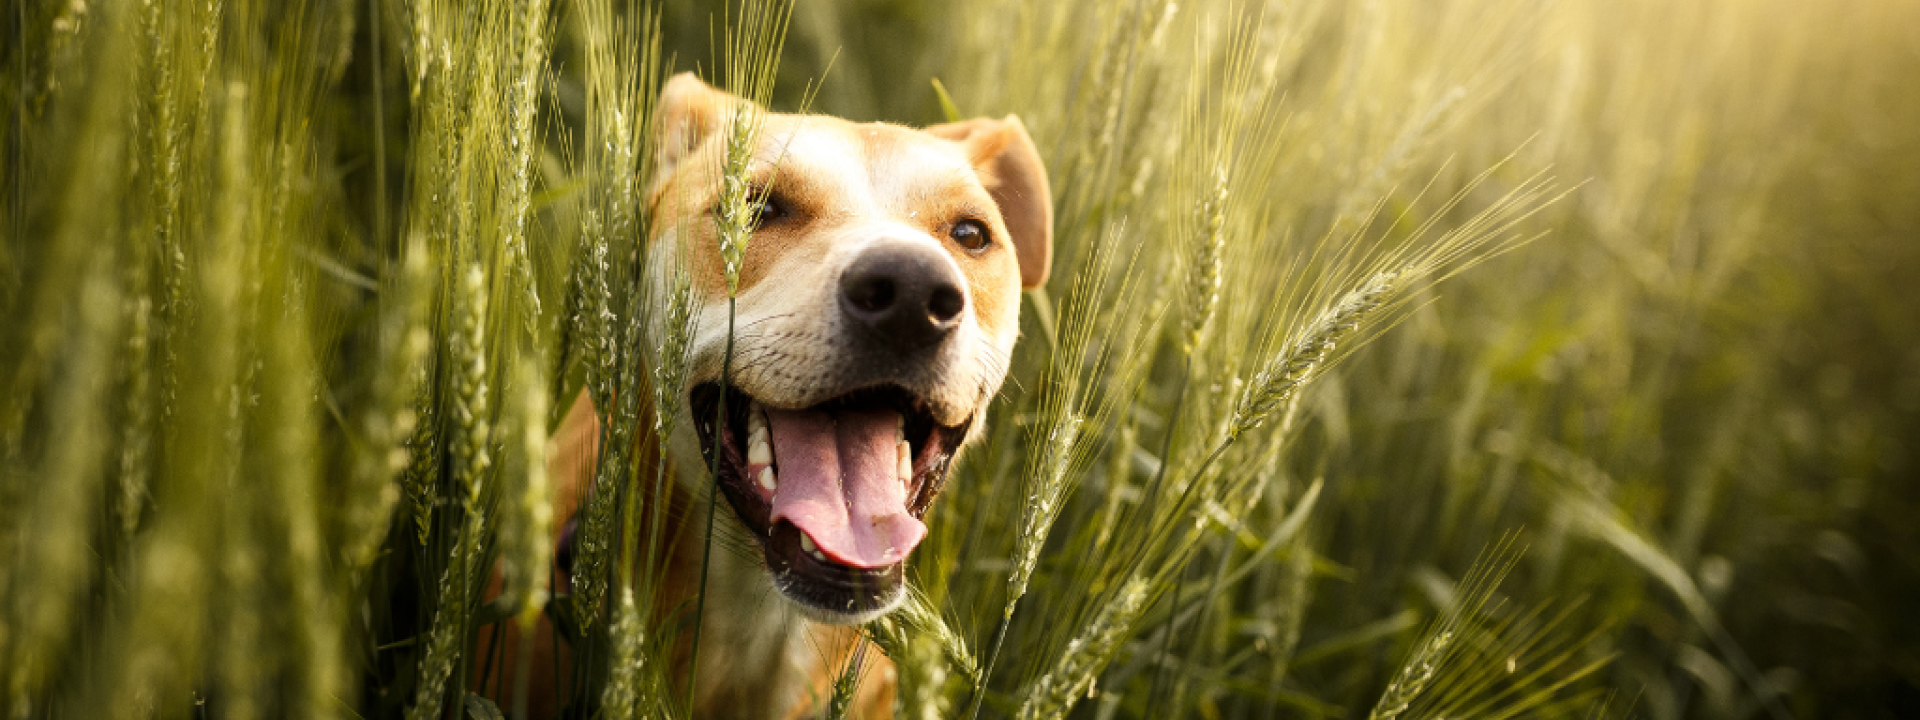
(689, 111)
(1009, 165)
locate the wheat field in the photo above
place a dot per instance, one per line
(1401, 358)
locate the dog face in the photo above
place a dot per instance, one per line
(877, 308)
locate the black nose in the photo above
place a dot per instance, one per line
(908, 296)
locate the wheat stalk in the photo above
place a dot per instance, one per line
(527, 521)
(521, 107)
(592, 553)
(920, 692)
(1081, 661)
(1203, 274)
(596, 327)
(752, 47)
(472, 460)
(610, 311)
(241, 626)
(472, 435)
(676, 328)
(1040, 508)
(846, 685)
(421, 479)
(916, 619)
(1413, 677)
(923, 646)
(735, 212)
(1286, 373)
(43, 588)
(136, 454)
(446, 641)
(61, 510)
(391, 422)
(625, 696)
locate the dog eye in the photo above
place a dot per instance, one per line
(971, 234)
(767, 210)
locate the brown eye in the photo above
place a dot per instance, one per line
(971, 234)
(767, 209)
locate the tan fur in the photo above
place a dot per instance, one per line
(845, 184)
(1018, 183)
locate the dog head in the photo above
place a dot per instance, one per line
(877, 308)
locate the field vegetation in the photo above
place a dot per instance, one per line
(1401, 358)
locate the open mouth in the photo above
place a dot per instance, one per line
(834, 492)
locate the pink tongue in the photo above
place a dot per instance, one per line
(838, 484)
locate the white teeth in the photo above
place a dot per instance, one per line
(821, 558)
(806, 543)
(758, 451)
(756, 422)
(905, 451)
(767, 480)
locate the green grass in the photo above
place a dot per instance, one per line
(1482, 358)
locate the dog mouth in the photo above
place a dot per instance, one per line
(834, 492)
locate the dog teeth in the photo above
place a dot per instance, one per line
(756, 421)
(767, 480)
(758, 451)
(759, 447)
(906, 460)
(806, 544)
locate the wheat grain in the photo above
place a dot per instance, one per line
(528, 518)
(136, 437)
(446, 640)
(421, 480)
(472, 461)
(522, 106)
(1209, 244)
(594, 550)
(43, 597)
(1286, 373)
(1041, 507)
(391, 421)
(923, 646)
(846, 684)
(1081, 661)
(622, 697)
(918, 619)
(472, 423)
(734, 214)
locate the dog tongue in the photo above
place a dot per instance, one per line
(839, 484)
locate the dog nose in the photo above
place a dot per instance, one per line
(907, 295)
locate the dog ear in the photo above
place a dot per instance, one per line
(689, 111)
(1009, 165)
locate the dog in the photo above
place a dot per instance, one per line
(877, 309)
